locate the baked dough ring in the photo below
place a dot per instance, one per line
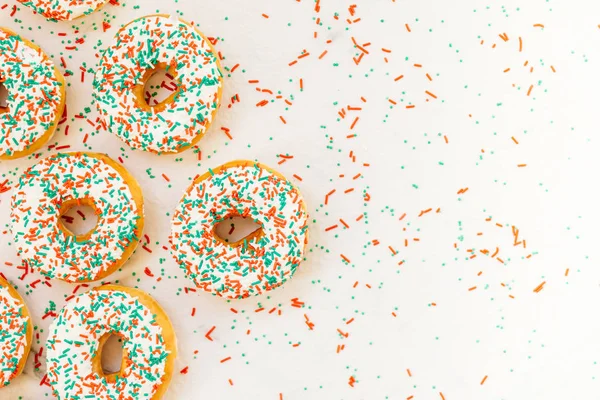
(76, 337)
(36, 96)
(264, 260)
(179, 121)
(49, 188)
(64, 10)
(16, 333)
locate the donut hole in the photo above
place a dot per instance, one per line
(236, 229)
(160, 86)
(112, 356)
(3, 98)
(78, 218)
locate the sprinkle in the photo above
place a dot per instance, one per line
(539, 287)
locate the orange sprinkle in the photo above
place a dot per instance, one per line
(483, 380)
(515, 140)
(327, 196)
(323, 54)
(567, 272)
(539, 287)
(297, 177)
(521, 165)
(282, 119)
(345, 258)
(407, 27)
(398, 78)
(166, 178)
(506, 70)
(408, 372)
(552, 68)
(209, 332)
(431, 94)
(538, 26)
(530, 89)
(225, 359)
(331, 227)
(265, 15)
(520, 44)
(473, 288)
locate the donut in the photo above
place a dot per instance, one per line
(63, 10)
(36, 96)
(262, 261)
(47, 190)
(16, 333)
(77, 335)
(141, 48)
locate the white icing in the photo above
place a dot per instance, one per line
(30, 78)
(13, 337)
(64, 10)
(35, 216)
(122, 68)
(73, 343)
(250, 269)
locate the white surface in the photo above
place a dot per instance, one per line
(536, 346)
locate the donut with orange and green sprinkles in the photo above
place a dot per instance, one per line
(77, 336)
(260, 262)
(63, 10)
(36, 96)
(16, 333)
(141, 48)
(50, 188)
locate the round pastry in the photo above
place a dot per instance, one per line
(64, 10)
(15, 333)
(47, 190)
(36, 96)
(77, 335)
(141, 48)
(264, 260)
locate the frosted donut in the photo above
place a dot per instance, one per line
(76, 337)
(63, 10)
(36, 96)
(49, 189)
(16, 333)
(140, 49)
(260, 262)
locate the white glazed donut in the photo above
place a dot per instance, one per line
(260, 262)
(16, 333)
(182, 119)
(49, 188)
(64, 10)
(36, 96)
(77, 335)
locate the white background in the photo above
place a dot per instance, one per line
(537, 345)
